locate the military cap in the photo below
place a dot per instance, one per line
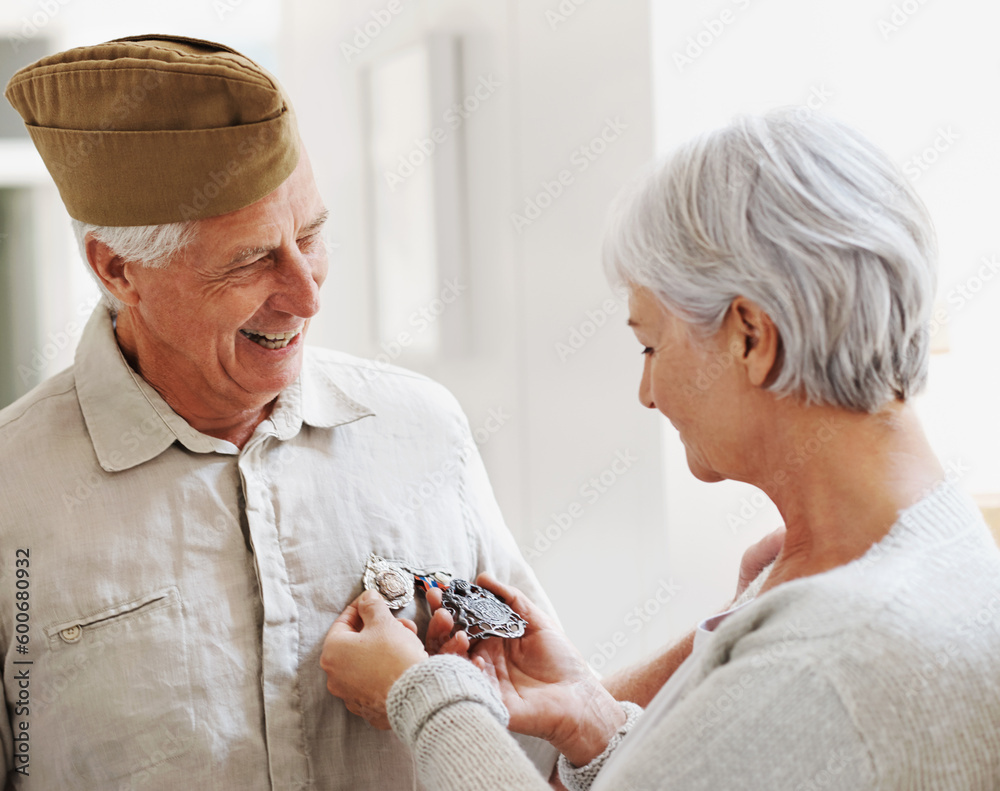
(156, 129)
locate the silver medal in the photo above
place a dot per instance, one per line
(393, 581)
(480, 613)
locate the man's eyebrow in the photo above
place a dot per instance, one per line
(246, 253)
(316, 224)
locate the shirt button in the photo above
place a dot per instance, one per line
(71, 634)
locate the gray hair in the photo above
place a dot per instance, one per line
(804, 216)
(149, 245)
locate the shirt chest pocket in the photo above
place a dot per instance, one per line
(115, 692)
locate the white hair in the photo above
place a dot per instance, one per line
(804, 216)
(149, 245)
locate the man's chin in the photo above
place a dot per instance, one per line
(268, 372)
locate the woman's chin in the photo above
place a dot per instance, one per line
(708, 476)
(702, 472)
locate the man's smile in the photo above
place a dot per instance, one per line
(271, 340)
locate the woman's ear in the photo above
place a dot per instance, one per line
(755, 336)
(112, 271)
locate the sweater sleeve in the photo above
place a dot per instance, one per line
(455, 725)
(759, 724)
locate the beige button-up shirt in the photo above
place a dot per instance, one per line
(164, 595)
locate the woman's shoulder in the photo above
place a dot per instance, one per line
(906, 637)
(936, 571)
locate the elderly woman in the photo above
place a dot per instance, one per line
(793, 251)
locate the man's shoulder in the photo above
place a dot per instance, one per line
(36, 408)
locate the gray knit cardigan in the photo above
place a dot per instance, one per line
(880, 674)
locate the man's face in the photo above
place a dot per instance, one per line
(198, 331)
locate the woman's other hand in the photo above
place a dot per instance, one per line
(364, 653)
(545, 684)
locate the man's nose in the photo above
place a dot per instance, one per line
(298, 291)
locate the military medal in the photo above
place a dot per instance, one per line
(476, 610)
(393, 581)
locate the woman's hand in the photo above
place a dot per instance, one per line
(544, 682)
(758, 557)
(364, 653)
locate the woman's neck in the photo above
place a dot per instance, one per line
(846, 478)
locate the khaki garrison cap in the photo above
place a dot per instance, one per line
(156, 129)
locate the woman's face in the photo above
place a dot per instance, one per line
(692, 381)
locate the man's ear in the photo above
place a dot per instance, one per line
(757, 341)
(112, 271)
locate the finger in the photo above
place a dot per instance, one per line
(439, 630)
(377, 719)
(516, 600)
(434, 598)
(773, 543)
(458, 645)
(408, 624)
(349, 619)
(373, 609)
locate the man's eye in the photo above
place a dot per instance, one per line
(308, 241)
(647, 350)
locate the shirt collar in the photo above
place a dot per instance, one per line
(130, 423)
(314, 399)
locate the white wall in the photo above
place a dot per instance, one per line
(910, 75)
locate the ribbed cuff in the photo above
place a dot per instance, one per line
(434, 684)
(580, 778)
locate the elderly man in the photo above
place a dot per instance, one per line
(188, 507)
